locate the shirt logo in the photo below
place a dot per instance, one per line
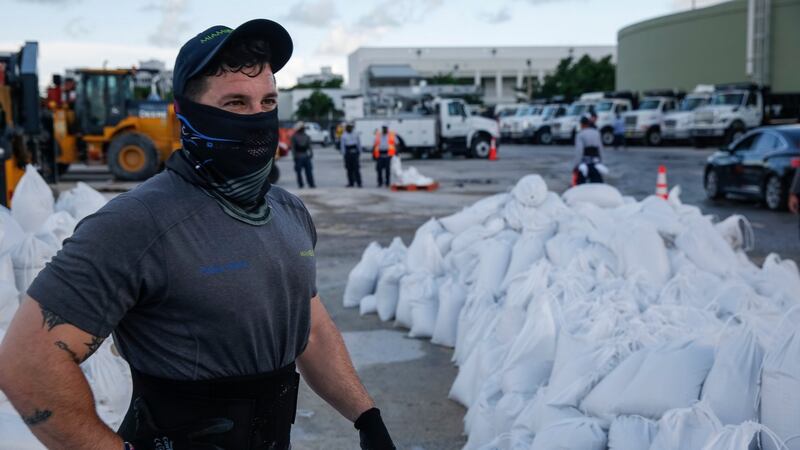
(307, 253)
(227, 267)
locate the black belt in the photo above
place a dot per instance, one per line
(351, 148)
(262, 407)
(592, 151)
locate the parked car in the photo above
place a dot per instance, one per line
(317, 134)
(760, 165)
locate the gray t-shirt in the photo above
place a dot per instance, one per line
(189, 292)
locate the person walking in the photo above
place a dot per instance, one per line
(384, 149)
(619, 131)
(206, 276)
(588, 154)
(794, 193)
(350, 146)
(302, 153)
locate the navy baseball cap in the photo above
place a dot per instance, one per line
(199, 50)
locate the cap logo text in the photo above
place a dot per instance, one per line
(215, 35)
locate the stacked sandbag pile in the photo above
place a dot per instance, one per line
(591, 321)
(31, 233)
(407, 177)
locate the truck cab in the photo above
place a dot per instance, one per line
(565, 127)
(647, 121)
(607, 111)
(731, 111)
(678, 124)
(550, 113)
(523, 125)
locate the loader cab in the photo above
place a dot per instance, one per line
(103, 98)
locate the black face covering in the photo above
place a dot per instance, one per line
(229, 155)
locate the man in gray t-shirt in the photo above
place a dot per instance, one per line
(205, 274)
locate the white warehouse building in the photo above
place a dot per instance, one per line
(499, 71)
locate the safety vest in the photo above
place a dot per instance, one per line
(376, 150)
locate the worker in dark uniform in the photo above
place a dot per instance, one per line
(302, 152)
(350, 146)
(384, 149)
(588, 166)
(205, 274)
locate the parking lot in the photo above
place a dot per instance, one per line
(412, 381)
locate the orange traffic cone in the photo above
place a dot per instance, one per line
(661, 183)
(493, 151)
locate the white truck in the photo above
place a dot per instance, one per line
(565, 127)
(448, 128)
(607, 110)
(647, 121)
(550, 113)
(678, 124)
(523, 125)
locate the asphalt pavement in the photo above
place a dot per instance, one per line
(409, 378)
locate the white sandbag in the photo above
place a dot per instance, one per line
(582, 433)
(363, 278)
(80, 201)
(395, 253)
(641, 252)
(705, 247)
(479, 421)
(508, 409)
(529, 361)
(9, 302)
(423, 253)
(686, 428)
(602, 399)
(530, 190)
(452, 296)
(368, 305)
(599, 194)
(415, 287)
(467, 380)
(424, 309)
(56, 229)
(779, 279)
(780, 384)
(29, 258)
(731, 387)
(110, 379)
(33, 201)
(562, 248)
(494, 256)
(14, 434)
(475, 214)
(528, 249)
(678, 369)
(631, 433)
(387, 292)
(538, 415)
(737, 231)
(12, 233)
(743, 437)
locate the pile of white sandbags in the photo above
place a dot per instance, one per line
(31, 233)
(407, 177)
(591, 321)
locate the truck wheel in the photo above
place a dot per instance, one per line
(607, 136)
(481, 146)
(132, 157)
(711, 184)
(653, 137)
(734, 132)
(774, 194)
(545, 137)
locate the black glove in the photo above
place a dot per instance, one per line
(150, 437)
(373, 433)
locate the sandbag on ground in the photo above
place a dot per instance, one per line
(33, 201)
(631, 433)
(780, 384)
(363, 278)
(686, 428)
(582, 433)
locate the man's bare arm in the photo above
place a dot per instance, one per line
(40, 374)
(326, 366)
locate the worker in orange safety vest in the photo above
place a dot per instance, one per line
(383, 151)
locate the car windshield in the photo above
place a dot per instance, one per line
(507, 112)
(649, 104)
(526, 111)
(548, 111)
(691, 103)
(577, 109)
(734, 99)
(604, 106)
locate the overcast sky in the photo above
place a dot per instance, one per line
(87, 33)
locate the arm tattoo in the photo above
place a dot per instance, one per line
(37, 417)
(63, 346)
(51, 319)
